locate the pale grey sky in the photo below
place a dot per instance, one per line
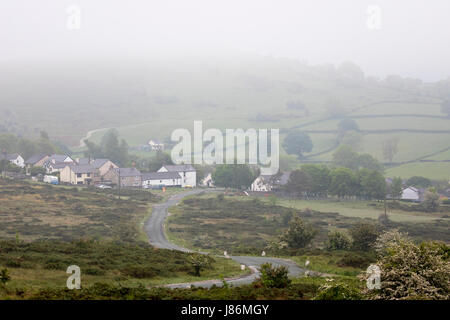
(414, 38)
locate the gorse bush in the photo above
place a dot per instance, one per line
(338, 291)
(364, 236)
(299, 235)
(338, 241)
(274, 277)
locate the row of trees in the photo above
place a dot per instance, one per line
(316, 181)
(10, 143)
(109, 148)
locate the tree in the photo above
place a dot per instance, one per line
(410, 271)
(338, 241)
(4, 277)
(346, 157)
(299, 235)
(238, 176)
(200, 262)
(373, 185)
(351, 71)
(297, 142)
(34, 171)
(110, 148)
(343, 182)
(161, 158)
(396, 188)
(352, 139)
(364, 236)
(419, 182)
(445, 107)
(366, 161)
(274, 277)
(390, 149)
(319, 179)
(6, 165)
(348, 124)
(299, 182)
(44, 135)
(431, 200)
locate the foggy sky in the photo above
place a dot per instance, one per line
(414, 39)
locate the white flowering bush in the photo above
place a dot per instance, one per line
(410, 271)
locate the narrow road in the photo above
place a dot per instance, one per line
(154, 227)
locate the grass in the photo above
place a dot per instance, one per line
(43, 264)
(436, 171)
(247, 225)
(357, 209)
(39, 211)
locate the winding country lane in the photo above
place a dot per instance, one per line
(154, 227)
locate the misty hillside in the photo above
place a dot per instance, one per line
(151, 99)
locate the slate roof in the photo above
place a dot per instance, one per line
(10, 156)
(35, 158)
(84, 168)
(179, 168)
(83, 161)
(59, 165)
(128, 172)
(58, 157)
(97, 163)
(160, 175)
(281, 180)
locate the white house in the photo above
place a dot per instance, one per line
(186, 171)
(262, 184)
(411, 193)
(267, 183)
(156, 145)
(60, 160)
(14, 158)
(165, 179)
(207, 181)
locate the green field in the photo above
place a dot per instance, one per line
(437, 171)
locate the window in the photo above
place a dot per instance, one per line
(88, 175)
(78, 175)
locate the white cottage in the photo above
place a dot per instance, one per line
(186, 171)
(14, 158)
(164, 179)
(411, 194)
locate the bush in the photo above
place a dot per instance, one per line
(338, 292)
(410, 271)
(338, 241)
(299, 235)
(94, 271)
(364, 236)
(431, 201)
(354, 260)
(138, 272)
(274, 277)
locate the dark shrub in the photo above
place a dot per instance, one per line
(274, 277)
(138, 272)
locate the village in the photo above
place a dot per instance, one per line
(105, 174)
